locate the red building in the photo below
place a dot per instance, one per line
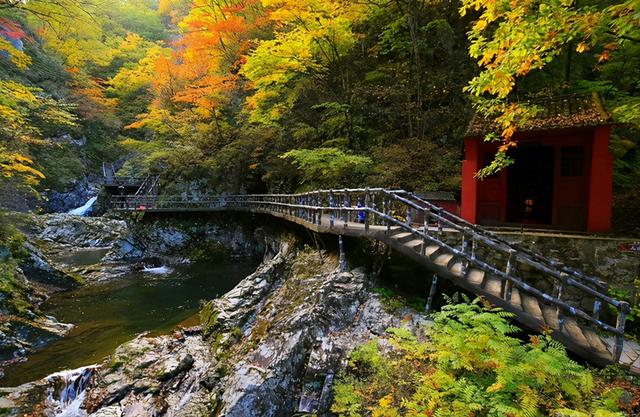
(562, 176)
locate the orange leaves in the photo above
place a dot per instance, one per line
(207, 93)
(582, 47)
(525, 67)
(202, 71)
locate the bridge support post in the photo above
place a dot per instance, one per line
(342, 264)
(432, 293)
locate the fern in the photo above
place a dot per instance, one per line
(469, 366)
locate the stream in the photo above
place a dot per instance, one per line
(109, 313)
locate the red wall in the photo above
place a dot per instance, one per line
(601, 182)
(579, 202)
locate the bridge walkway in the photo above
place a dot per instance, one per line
(508, 276)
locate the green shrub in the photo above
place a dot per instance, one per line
(468, 365)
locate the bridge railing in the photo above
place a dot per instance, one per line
(398, 209)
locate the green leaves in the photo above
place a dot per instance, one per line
(310, 37)
(328, 167)
(512, 39)
(469, 365)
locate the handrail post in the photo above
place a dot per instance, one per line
(597, 306)
(342, 262)
(373, 204)
(558, 290)
(346, 204)
(509, 271)
(425, 226)
(463, 249)
(624, 309)
(408, 218)
(367, 202)
(387, 211)
(331, 213)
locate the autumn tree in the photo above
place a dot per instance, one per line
(513, 40)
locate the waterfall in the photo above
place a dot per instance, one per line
(68, 391)
(84, 209)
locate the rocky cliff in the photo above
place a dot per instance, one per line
(269, 347)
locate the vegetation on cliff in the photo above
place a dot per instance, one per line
(13, 300)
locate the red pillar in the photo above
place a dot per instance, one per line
(471, 165)
(600, 183)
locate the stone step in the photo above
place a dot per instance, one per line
(443, 259)
(571, 327)
(550, 314)
(475, 277)
(595, 341)
(430, 250)
(404, 237)
(396, 230)
(415, 244)
(516, 298)
(455, 267)
(635, 367)
(531, 306)
(630, 353)
(493, 286)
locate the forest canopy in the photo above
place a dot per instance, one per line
(267, 95)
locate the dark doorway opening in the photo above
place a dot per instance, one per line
(530, 185)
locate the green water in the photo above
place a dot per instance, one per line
(108, 314)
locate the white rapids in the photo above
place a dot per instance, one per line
(84, 209)
(68, 391)
(158, 270)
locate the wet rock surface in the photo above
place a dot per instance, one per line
(75, 196)
(174, 240)
(79, 231)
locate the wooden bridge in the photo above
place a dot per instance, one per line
(543, 294)
(123, 185)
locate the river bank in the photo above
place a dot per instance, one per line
(59, 256)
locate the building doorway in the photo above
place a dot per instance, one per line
(530, 185)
